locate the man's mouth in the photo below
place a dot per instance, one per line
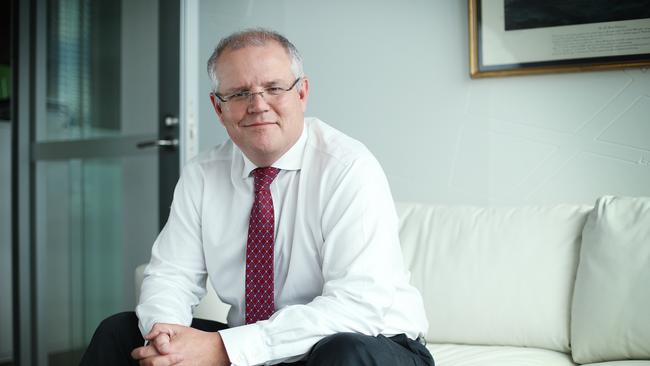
(260, 123)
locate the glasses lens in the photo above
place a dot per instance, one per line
(269, 94)
(238, 97)
(274, 91)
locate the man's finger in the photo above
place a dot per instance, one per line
(144, 352)
(159, 328)
(161, 342)
(164, 360)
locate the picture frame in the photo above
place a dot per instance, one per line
(520, 37)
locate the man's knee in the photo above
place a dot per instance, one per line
(117, 324)
(113, 341)
(343, 349)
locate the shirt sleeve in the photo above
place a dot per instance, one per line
(175, 278)
(361, 260)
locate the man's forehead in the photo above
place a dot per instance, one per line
(253, 65)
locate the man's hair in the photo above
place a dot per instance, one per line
(253, 37)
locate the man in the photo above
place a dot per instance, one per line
(295, 225)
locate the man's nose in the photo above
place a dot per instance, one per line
(257, 103)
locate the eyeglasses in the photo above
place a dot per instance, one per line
(246, 96)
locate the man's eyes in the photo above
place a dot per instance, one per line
(241, 94)
(274, 90)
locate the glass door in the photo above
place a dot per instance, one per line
(104, 160)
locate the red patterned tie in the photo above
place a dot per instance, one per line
(259, 249)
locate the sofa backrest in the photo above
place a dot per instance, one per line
(494, 276)
(610, 317)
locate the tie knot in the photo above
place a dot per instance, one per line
(264, 177)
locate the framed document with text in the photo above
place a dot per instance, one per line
(515, 37)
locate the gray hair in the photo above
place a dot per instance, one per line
(253, 37)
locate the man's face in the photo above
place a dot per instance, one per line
(265, 126)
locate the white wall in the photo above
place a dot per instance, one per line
(394, 74)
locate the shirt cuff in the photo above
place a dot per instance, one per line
(245, 345)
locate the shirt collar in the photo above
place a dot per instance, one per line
(291, 160)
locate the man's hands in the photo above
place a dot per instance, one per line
(171, 344)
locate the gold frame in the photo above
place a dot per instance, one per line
(513, 70)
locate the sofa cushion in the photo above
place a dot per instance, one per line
(494, 276)
(611, 305)
(619, 363)
(463, 355)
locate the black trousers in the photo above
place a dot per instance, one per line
(118, 335)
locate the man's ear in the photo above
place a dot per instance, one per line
(303, 94)
(217, 107)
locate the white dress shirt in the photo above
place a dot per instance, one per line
(338, 263)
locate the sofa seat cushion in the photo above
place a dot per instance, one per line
(497, 275)
(464, 355)
(620, 363)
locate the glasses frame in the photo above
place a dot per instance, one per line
(249, 95)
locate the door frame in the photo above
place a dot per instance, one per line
(169, 30)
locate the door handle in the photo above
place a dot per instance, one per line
(170, 143)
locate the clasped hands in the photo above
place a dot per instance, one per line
(172, 344)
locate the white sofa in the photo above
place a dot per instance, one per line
(530, 285)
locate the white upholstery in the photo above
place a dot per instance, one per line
(494, 276)
(463, 355)
(611, 309)
(619, 363)
(498, 283)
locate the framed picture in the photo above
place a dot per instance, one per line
(515, 37)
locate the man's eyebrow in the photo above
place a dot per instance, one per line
(273, 82)
(234, 90)
(265, 84)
